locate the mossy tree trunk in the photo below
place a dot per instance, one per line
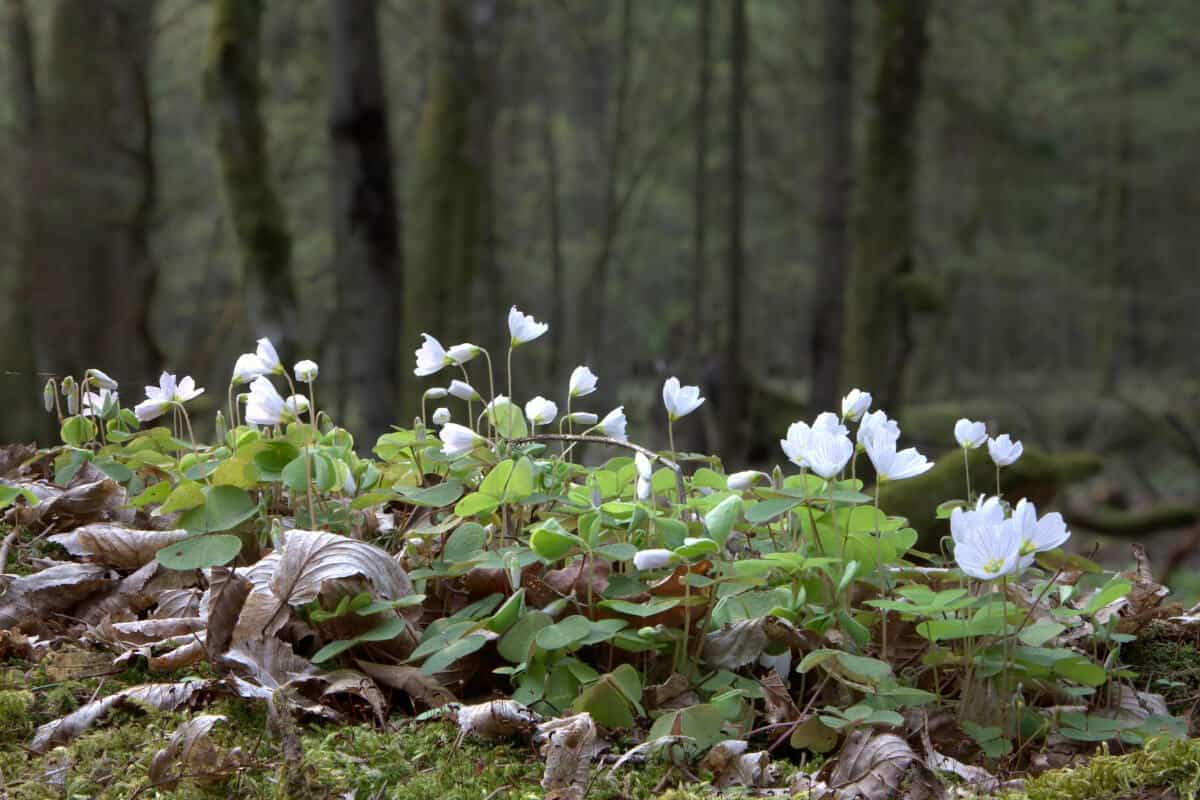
(445, 242)
(877, 339)
(97, 187)
(256, 214)
(837, 87)
(365, 214)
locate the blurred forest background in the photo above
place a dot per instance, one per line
(967, 207)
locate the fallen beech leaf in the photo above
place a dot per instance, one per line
(183, 656)
(115, 545)
(975, 777)
(871, 766)
(411, 680)
(79, 504)
(190, 752)
(568, 745)
(777, 698)
(29, 601)
(147, 631)
(270, 663)
(731, 765)
(132, 595)
(178, 603)
(353, 682)
(294, 575)
(227, 593)
(742, 642)
(159, 696)
(494, 720)
(12, 459)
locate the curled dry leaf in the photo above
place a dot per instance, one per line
(495, 720)
(13, 458)
(743, 642)
(152, 631)
(674, 693)
(352, 682)
(420, 687)
(222, 604)
(731, 765)
(178, 603)
(159, 696)
(191, 752)
(80, 504)
(268, 663)
(116, 545)
(131, 595)
(568, 745)
(777, 698)
(185, 655)
(575, 577)
(30, 601)
(294, 575)
(871, 766)
(975, 777)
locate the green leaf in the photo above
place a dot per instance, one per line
(768, 510)
(389, 630)
(10, 493)
(508, 419)
(438, 496)
(514, 645)
(467, 540)
(274, 456)
(188, 494)
(447, 656)
(520, 482)
(200, 552)
(118, 472)
(693, 549)
(77, 431)
(507, 615)
(475, 504)
(493, 485)
(564, 634)
(224, 507)
(648, 609)
(702, 723)
(606, 703)
(1039, 633)
(721, 519)
(551, 541)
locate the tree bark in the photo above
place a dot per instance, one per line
(731, 399)
(365, 214)
(877, 339)
(825, 343)
(97, 193)
(446, 231)
(255, 212)
(697, 328)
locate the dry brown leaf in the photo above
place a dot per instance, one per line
(150, 631)
(185, 655)
(494, 720)
(74, 663)
(13, 458)
(178, 603)
(30, 601)
(420, 687)
(568, 745)
(777, 698)
(269, 663)
(227, 592)
(191, 752)
(674, 693)
(80, 504)
(294, 576)
(116, 545)
(871, 766)
(159, 696)
(731, 765)
(132, 595)
(573, 579)
(743, 642)
(353, 682)
(976, 777)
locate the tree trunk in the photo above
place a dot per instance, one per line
(97, 191)
(252, 202)
(558, 278)
(877, 339)
(365, 216)
(731, 398)
(697, 329)
(20, 384)
(825, 344)
(445, 235)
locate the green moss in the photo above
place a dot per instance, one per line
(15, 721)
(1170, 666)
(1167, 764)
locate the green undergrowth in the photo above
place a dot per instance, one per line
(1169, 764)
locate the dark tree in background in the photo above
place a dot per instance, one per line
(233, 85)
(877, 337)
(365, 216)
(837, 106)
(732, 402)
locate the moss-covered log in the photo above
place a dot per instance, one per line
(1037, 475)
(876, 338)
(1130, 524)
(252, 202)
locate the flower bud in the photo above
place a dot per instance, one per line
(441, 416)
(48, 393)
(222, 428)
(306, 371)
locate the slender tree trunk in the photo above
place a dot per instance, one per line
(877, 339)
(97, 190)
(825, 343)
(558, 282)
(19, 388)
(446, 230)
(365, 215)
(732, 401)
(252, 202)
(697, 328)
(1119, 329)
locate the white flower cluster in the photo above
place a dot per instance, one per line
(987, 545)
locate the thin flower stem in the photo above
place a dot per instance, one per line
(467, 380)
(312, 509)
(997, 480)
(511, 402)
(967, 469)
(491, 388)
(230, 406)
(424, 416)
(883, 587)
(671, 435)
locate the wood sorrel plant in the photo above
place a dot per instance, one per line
(583, 586)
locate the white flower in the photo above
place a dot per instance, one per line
(970, 435)
(101, 379)
(828, 453)
(48, 395)
(523, 327)
(895, 466)
(457, 440)
(463, 391)
(582, 418)
(267, 355)
(583, 382)
(540, 411)
(306, 371)
(1004, 451)
(855, 404)
(247, 368)
(680, 400)
(613, 424)
(265, 406)
(828, 422)
(643, 488)
(101, 405)
(655, 558)
(167, 393)
(989, 552)
(876, 425)
(988, 511)
(796, 443)
(1038, 535)
(441, 416)
(435, 393)
(431, 356)
(645, 468)
(740, 481)
(462, 353)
